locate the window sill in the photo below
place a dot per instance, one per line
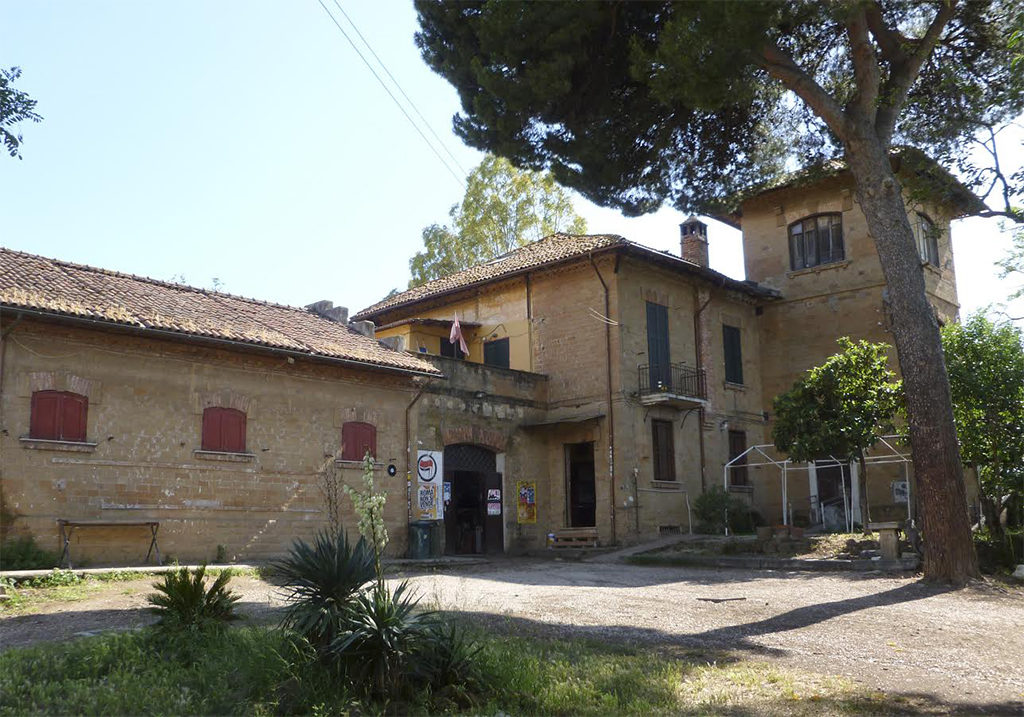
(730, 386)
(343, 463)
(741, 489)
(820, 267)
(44, 444)
(928, 266)
(672, 486)
(224, 456)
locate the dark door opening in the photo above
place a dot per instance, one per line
(473, 493)
(581, 491)
(833, 483)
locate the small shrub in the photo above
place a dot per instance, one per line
(321, 581)
(22, 553)
(999, 555)
(448, 662)
(185, 605)
(712, 506)
(56, 578)
(384, 631)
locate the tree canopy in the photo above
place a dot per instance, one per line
(15, 107)
(985, 361)
(503, 208)
(840, 408)
(636, 104)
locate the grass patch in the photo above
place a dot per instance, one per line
(262, 671)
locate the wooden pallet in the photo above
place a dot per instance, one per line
(575, 538)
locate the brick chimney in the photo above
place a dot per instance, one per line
(694, 236)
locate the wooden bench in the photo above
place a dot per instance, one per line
(575, 538)
(67, 527)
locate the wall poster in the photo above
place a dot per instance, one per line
(526, 502)
(429, 493)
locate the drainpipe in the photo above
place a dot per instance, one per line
(408, 456)
(529, 319)
(700, 367)
(611, 412)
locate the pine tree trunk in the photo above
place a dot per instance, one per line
(948, 550)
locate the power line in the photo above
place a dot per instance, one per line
(433, 149)
(399, 87)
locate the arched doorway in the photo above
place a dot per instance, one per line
(471, 524)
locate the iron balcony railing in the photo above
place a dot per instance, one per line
(675, 379)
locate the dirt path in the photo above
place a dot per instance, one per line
(894, 634)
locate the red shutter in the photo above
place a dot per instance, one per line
(223, 430)
(45, 420)
(211, 429)
(232, 429)
(73, 414)
(357, 439)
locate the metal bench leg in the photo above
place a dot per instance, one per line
(65, 536)
(153, 545)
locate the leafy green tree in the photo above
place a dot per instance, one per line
(635, 104)
(985, 361)
(503, 208)
(15, 107)
(840, 408)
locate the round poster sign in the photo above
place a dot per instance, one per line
(426, 468)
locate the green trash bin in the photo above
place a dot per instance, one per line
(420, 539)
(436, 537)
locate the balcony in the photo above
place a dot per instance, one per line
(675, 384)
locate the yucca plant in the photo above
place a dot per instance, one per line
(384, 631)
(447, 660)
(184, 603)
(321, 581)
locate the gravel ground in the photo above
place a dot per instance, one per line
(898, 635)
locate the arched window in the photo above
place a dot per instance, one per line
(927, 237)
(816, 240)
(58, 416)
(358, 439)
(223, 430)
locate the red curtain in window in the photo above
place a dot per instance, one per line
(223, 430)
(58, 416)
(356, 439)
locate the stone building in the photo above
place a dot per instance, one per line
(604, 388)
(125, 400)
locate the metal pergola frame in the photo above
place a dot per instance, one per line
(891, 454)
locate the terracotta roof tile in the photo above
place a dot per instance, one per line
(550, 250)
(57, 287)
(544, 251)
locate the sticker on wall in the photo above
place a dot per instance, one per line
(447, 492)
(494, 509)
(429, 501)
(494, 494)
(526, 505)
(428, 465)
(392, 470)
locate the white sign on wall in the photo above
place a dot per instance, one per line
(429, 479)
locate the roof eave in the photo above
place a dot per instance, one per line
(183, 336)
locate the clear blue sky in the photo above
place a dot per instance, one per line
(245, 140)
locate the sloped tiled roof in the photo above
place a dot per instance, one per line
(544, 252)
(73, 290)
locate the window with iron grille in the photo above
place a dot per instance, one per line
(58, 416)
(358, 439)
(816, 240)
(223, 430)
(664, 450)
